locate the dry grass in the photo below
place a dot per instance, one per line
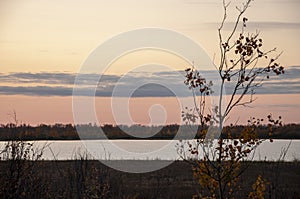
(91, 179)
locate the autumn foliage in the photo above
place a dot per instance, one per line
(244, 64)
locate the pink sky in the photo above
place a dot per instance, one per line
(50, 110)
(49, 36)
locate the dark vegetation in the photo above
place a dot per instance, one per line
(91, 179)
(68, 132)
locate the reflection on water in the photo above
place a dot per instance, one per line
(148, 149)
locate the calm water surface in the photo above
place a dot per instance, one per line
(148, 149)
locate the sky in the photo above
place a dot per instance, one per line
(44, 43)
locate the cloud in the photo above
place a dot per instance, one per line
(155, 84)
(35, 91)
(273, 25)
(53, 78)
(42, 78)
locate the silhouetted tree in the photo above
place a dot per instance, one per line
(243, 65)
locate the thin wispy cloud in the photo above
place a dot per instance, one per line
(156, 84)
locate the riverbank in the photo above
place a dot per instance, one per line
(85, 178)
(134, 132)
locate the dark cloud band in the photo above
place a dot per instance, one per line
(61, 84)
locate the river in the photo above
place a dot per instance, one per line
(148, 149)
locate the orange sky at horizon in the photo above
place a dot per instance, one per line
(51, 110)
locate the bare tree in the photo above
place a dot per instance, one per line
(243, 65)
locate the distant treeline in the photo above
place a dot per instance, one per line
(89, 131)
